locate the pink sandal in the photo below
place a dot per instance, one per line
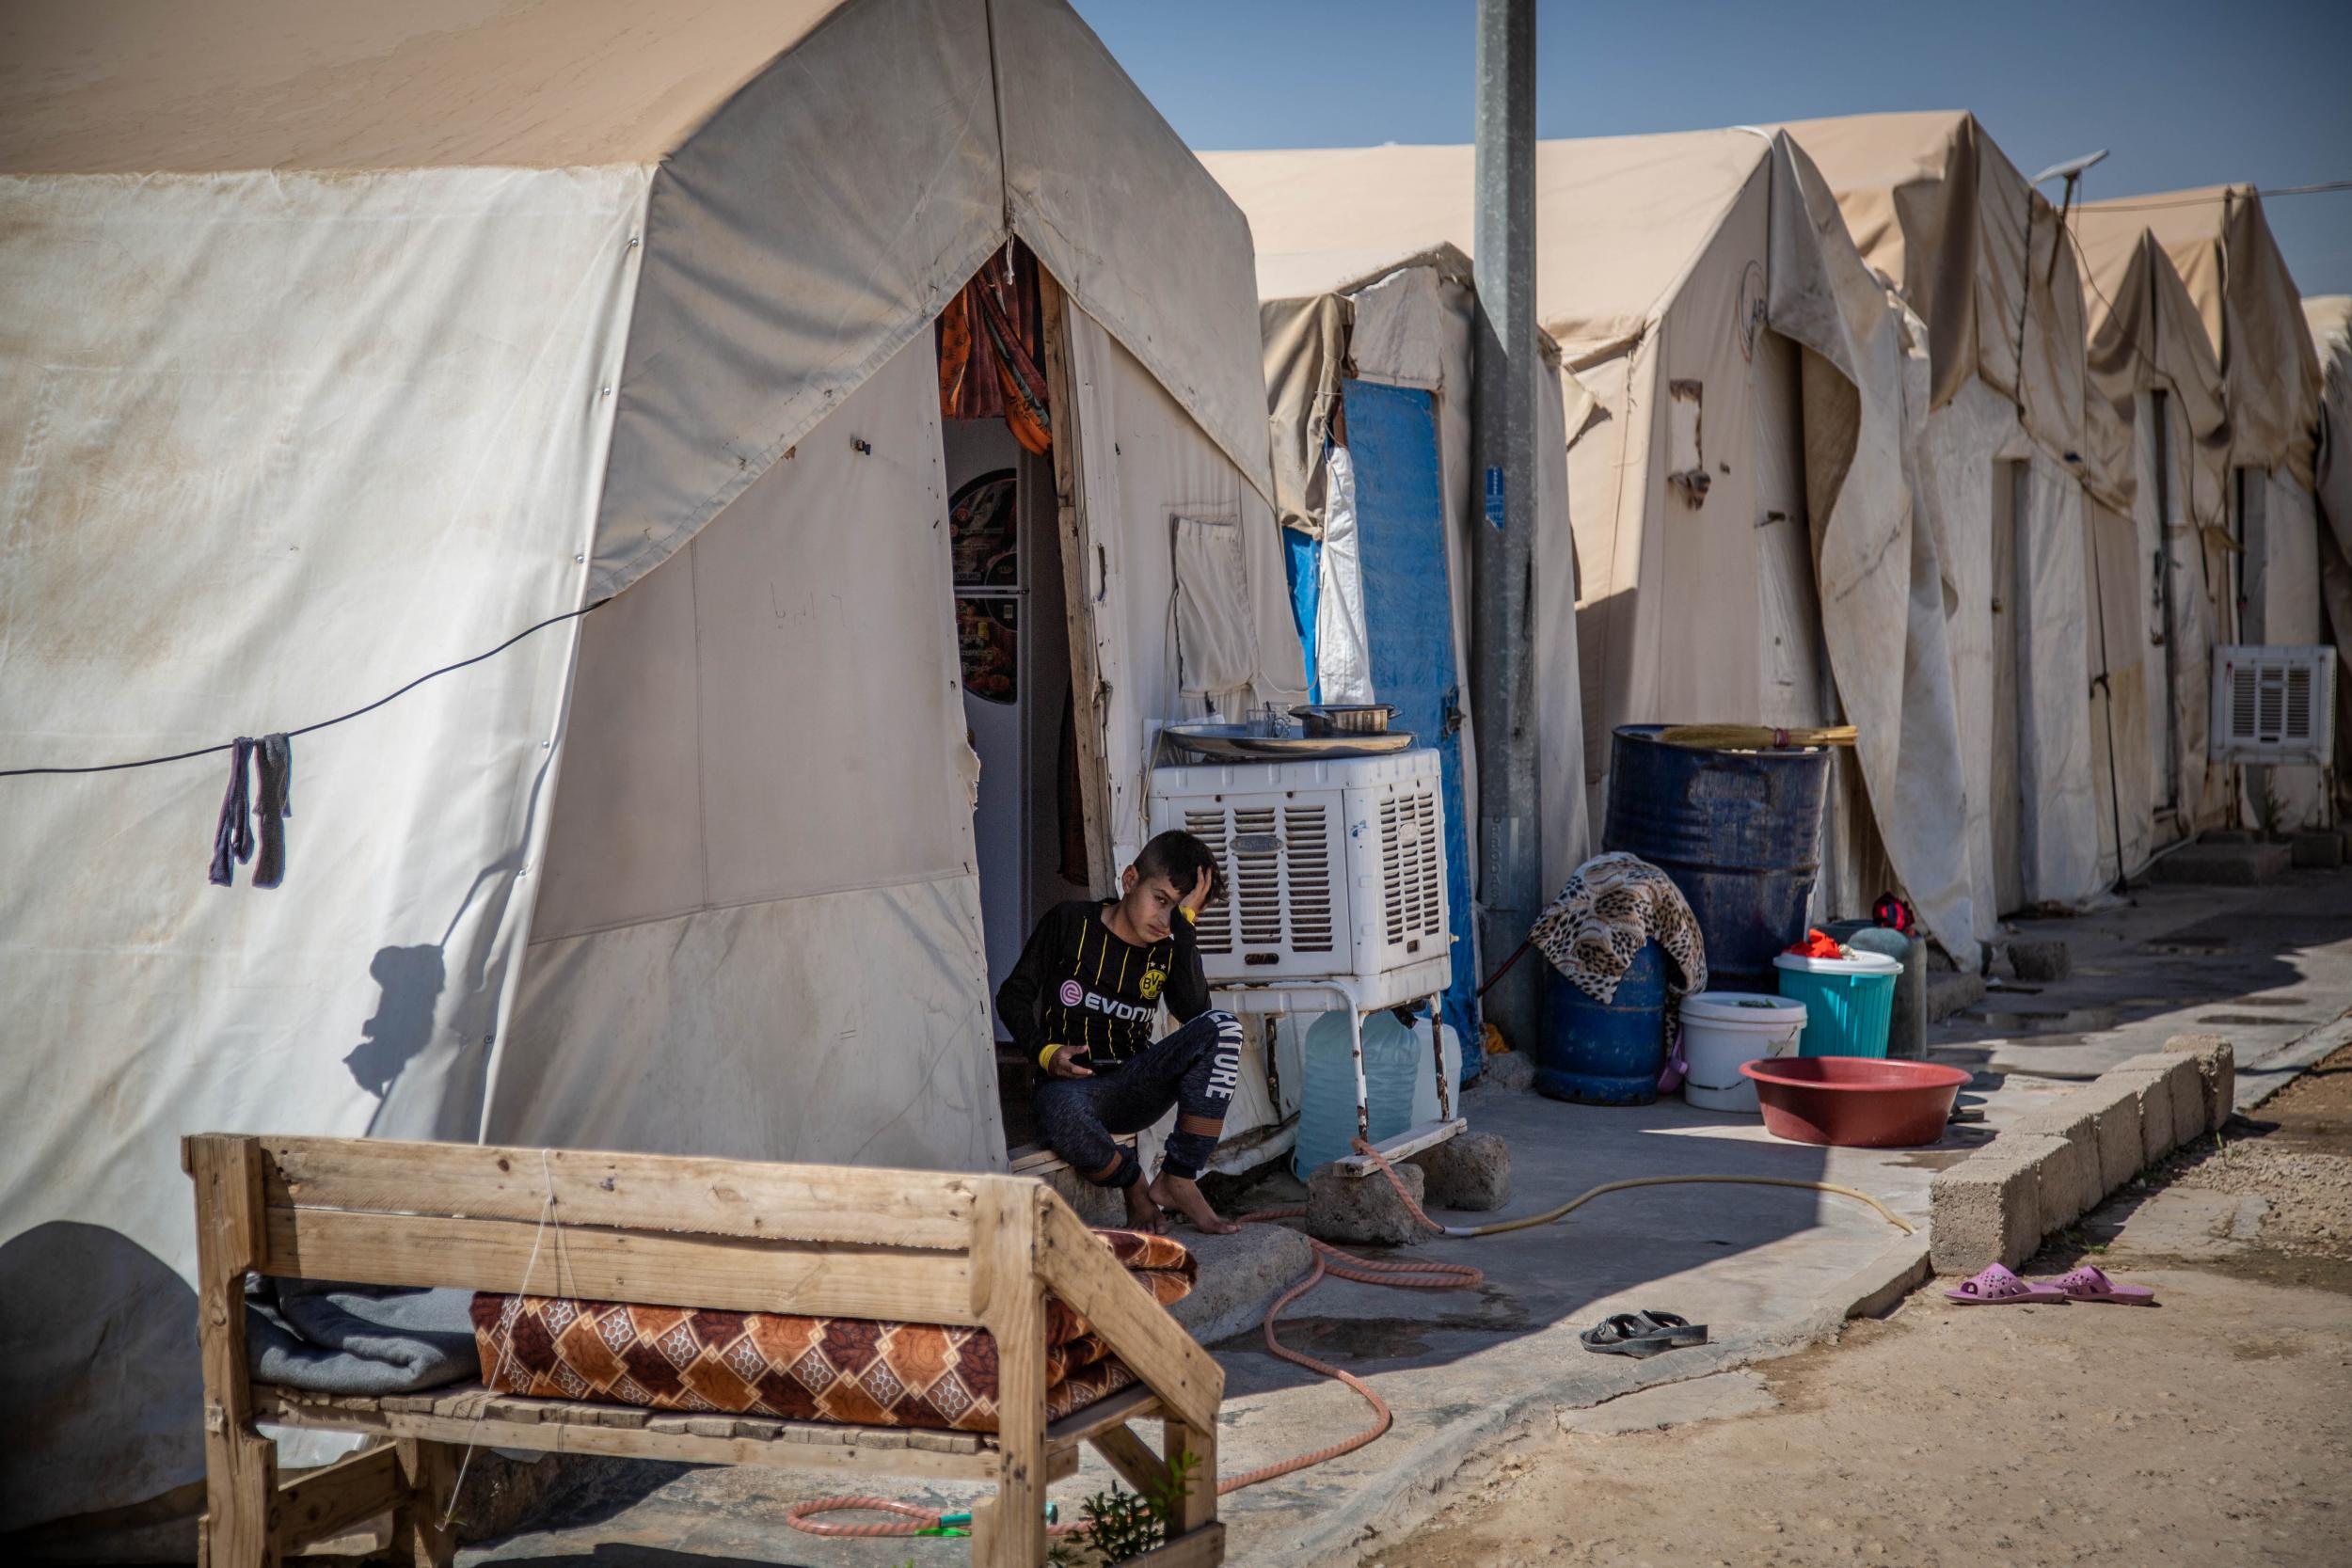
(1997, 1286)
(2088, 1284)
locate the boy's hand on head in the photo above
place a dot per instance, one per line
(1069, 1062)
(1197, 899)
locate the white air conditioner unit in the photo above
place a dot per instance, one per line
(1334, 869)
(2273, 704)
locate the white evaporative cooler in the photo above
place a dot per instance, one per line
(1335, 874)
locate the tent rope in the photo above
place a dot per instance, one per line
(323, 724)
(506, 1350)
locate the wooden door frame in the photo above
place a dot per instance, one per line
(1082, 586)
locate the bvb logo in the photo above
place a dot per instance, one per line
(1153, 979)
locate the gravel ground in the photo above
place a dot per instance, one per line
(2215, 1429)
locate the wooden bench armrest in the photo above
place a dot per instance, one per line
(1080, 1270)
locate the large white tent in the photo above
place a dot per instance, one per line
(1735, 458)
(1996, 466)
(2263, 560)
(2329, 318)
(2150, 364)
(343, 343)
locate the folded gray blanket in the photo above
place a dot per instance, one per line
(337, 1339)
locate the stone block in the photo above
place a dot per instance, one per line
(2185, 1095)
(1508, 1073)
(1469, 1170)
(1986, 1210)
(2041, 960)
(2071, 1121)
(2217, 1072)
(2063, 1178)
(1948, 991)
(2320, 851)
(2117, 1111)
(2212, 864)
(1099, 1206)
(1364, 1209)
(2156, 1109)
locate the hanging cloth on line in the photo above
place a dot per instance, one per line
(234, 835)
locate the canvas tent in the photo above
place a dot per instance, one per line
(2265, 552)
(1996, 466)
(1734, 460)
(1380, 361)
(2329, 318)
(345, 343)
(2150, 363)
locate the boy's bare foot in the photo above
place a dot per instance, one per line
(1142, 1212)
(1178, 1193)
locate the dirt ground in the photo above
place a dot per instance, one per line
(2216, 1429)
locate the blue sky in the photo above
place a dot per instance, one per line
(2181, 94)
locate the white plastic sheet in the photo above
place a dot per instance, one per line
(1342, 646)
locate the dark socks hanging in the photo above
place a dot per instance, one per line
(233, 836)
(275, 759)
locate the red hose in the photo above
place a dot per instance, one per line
(1329, 1262)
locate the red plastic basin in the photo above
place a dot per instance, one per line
(1855, 1101)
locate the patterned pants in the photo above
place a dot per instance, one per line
(1194, 1069)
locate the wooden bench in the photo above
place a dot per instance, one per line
(658, 1230)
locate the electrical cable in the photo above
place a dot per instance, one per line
(323, 724)
(2227, 192)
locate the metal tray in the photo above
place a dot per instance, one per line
(1240, 743)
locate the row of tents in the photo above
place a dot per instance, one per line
(342, 348)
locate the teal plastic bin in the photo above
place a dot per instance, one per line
(1848, 1003)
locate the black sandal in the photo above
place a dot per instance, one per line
(1680, 1332)
(1625, 1334)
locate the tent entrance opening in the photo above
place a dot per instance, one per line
(1012, 629)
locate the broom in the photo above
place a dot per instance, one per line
(1753, 737)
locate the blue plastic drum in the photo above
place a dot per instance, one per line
(1605, 1054)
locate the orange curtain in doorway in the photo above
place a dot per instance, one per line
(991, 350)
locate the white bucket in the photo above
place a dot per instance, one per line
(1721, 1029)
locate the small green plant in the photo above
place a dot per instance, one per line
(1122, 1526)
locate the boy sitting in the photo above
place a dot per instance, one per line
(1082, 1001)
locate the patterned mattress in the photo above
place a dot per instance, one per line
(856, 1372)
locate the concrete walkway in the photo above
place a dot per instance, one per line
(1768, 1269)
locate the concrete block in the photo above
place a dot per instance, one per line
(2320, 851)
(1985, 1209)
(2116, 1109)
(2063, 1178)
(1470, 1170)
(1364, 1209)
(1238, 1277)
(1099, 1206)
(1948, 991)
(2155, 1111)
(2071, 1121)
(2216, 1071)
(2185, 1095)
(1509, 1072)
(2209, 863)
(2041, 960)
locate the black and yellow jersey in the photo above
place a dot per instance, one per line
(1079, 983)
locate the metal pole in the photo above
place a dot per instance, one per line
(1504, 427)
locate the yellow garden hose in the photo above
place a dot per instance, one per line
(1591, 1193)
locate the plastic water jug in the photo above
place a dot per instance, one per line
(1327, 1096)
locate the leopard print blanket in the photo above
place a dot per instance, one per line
(855, 1371)
(1613, 905)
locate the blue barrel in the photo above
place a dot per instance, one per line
(1605, 1054)
(1738, 832)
